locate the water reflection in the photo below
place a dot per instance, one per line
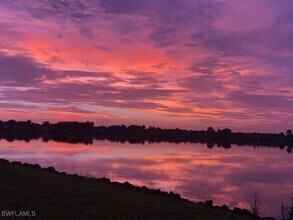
(227, 176)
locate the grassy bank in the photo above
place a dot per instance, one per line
(55, 195)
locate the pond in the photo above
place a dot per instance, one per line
(227, 176)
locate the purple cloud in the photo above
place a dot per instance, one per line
(222, 59)
(20, 70)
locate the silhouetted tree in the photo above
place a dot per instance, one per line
(255, 205)
(287, 212)
(289, 132)
(226, 132)
(46, 123)
(210, 130)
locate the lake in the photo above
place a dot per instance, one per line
(227, 176)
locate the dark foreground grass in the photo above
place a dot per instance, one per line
(58, 196)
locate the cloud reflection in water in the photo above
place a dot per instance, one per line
(228, 176)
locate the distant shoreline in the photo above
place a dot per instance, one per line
(19, 173)
(86, 132)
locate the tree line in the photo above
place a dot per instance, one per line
(86, 132)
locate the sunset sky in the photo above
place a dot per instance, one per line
(169, 63)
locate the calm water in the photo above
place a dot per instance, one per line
(227, 176)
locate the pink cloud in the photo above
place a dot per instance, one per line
(209, 63)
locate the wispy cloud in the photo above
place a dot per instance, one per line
(190, 63)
